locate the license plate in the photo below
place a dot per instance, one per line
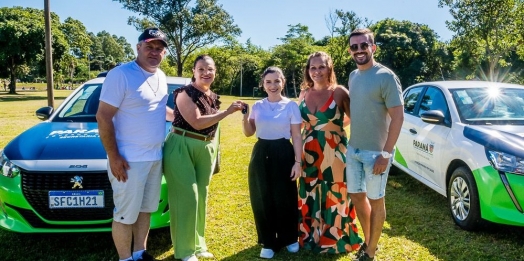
(76, 199)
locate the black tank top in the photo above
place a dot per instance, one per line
(206, 104)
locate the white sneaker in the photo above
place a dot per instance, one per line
(267, 253)
(205, 254)
(293, 248)
(190, 258)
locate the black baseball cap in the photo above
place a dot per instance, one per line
(152, 34)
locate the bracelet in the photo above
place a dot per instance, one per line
(298, 162)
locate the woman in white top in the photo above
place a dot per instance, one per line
(275, 165)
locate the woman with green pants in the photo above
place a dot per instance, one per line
(188, 164)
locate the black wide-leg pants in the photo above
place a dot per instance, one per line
(274, 197)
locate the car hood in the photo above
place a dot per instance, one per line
(57, 141)
(508, 138)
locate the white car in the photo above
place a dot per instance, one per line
(464, 139)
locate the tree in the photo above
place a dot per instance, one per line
(21, 40)
(108, 50)
(113, 52)
(340, 24)
(292, 55)
(188, 28)
(247, 64)
(411, 50)
(166, 68)
(487, 33)
(79, 42)
(129, 54)
(77, 37)
(234, 61)
(22, 34)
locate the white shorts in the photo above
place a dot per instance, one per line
(140, 193)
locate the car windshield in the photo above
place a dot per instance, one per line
(490, 106)
(83, 105)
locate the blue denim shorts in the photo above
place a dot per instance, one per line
(359, 173)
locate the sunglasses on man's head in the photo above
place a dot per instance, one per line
(363, 46)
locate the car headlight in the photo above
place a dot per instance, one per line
(8, 168)
(506, 162)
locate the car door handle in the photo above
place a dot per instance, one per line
(413, 131)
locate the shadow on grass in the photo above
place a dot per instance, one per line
(253, 253)
(421, 215)
(74, 246)
(23, 97)
(77, 246)
(159, 242)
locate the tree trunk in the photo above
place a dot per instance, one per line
(294, 85)
(71, 73)
(179, 66)
(12, 84)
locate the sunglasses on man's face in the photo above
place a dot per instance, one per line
(363, 46)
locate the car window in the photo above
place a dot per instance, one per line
(491, 106)
(170, 89)
(433, 100)
(411, 98)
(82, 106)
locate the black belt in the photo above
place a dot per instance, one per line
(193, 135)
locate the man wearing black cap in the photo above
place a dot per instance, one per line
(131, 121)
(152, 34)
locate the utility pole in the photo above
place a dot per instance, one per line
(48, 55)
(88, 67)
(101, 62)
(241, 79)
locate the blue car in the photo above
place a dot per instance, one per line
(53, 176)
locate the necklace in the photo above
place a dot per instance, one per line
(150, 87)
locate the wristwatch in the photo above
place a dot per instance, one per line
(386, 154)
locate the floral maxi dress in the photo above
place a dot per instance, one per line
(327, 217)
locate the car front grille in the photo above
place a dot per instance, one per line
(36, 222)
(36, 187)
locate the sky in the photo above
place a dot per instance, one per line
(262, 21)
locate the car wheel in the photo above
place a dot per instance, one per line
(463, 199)
(217, 163)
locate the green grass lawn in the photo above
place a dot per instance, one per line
(418, 225)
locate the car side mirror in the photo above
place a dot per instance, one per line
(433, 117)
(44, 113)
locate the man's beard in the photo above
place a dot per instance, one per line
(366, 60)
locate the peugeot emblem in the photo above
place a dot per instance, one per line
(77, 182)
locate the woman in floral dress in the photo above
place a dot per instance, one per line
(327, 217)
